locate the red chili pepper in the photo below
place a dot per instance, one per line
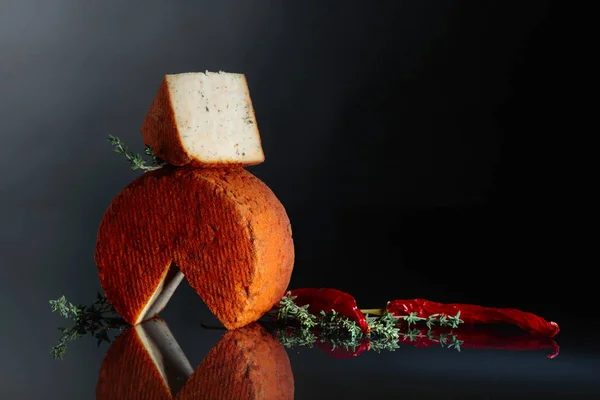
(486, 339)
(325, 299)
(473, 314)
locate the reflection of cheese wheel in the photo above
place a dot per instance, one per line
(247, 363)
(203, 119)
(145, 362)
(223, 229)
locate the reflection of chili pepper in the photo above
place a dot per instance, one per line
(473, 314)
(342, 352)
(478, 338)
(482, 339)
(470, 337)
(325, 299)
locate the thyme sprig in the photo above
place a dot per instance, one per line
(298, 327)
(385, 332)
(434, 319)
(96, 320)
(136, 160)
(290, 311)
(332, 325)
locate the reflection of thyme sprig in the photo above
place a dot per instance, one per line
(292, 338)
(298, 337)
(97, 320)
(136, 160)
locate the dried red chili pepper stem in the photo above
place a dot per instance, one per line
(372, 311)
(472, 314)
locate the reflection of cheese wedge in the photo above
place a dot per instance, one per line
(145, 362)
(205, 119)
(171, 363)
(223, 229)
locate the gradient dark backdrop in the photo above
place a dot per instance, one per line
(411, 143)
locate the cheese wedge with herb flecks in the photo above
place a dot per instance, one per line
(204, 119)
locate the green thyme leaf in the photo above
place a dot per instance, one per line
(385, 327)
(455, 321)
(135, 160)
(96, 320)
(456, 343)
(443, 320)
(65, 308)
(288, 310)
(443, 339)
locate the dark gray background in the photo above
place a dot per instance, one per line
(414, 145)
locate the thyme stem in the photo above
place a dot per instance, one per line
(97, 320)
(136, 160)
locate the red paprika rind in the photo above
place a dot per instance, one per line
(326, 299)
(474, 314)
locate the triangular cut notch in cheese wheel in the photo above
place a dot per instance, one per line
(172, 277)
(223, 229)
(204, 119)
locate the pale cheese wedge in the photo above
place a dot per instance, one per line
(204, 119)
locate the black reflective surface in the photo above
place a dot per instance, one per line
(489, 365)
